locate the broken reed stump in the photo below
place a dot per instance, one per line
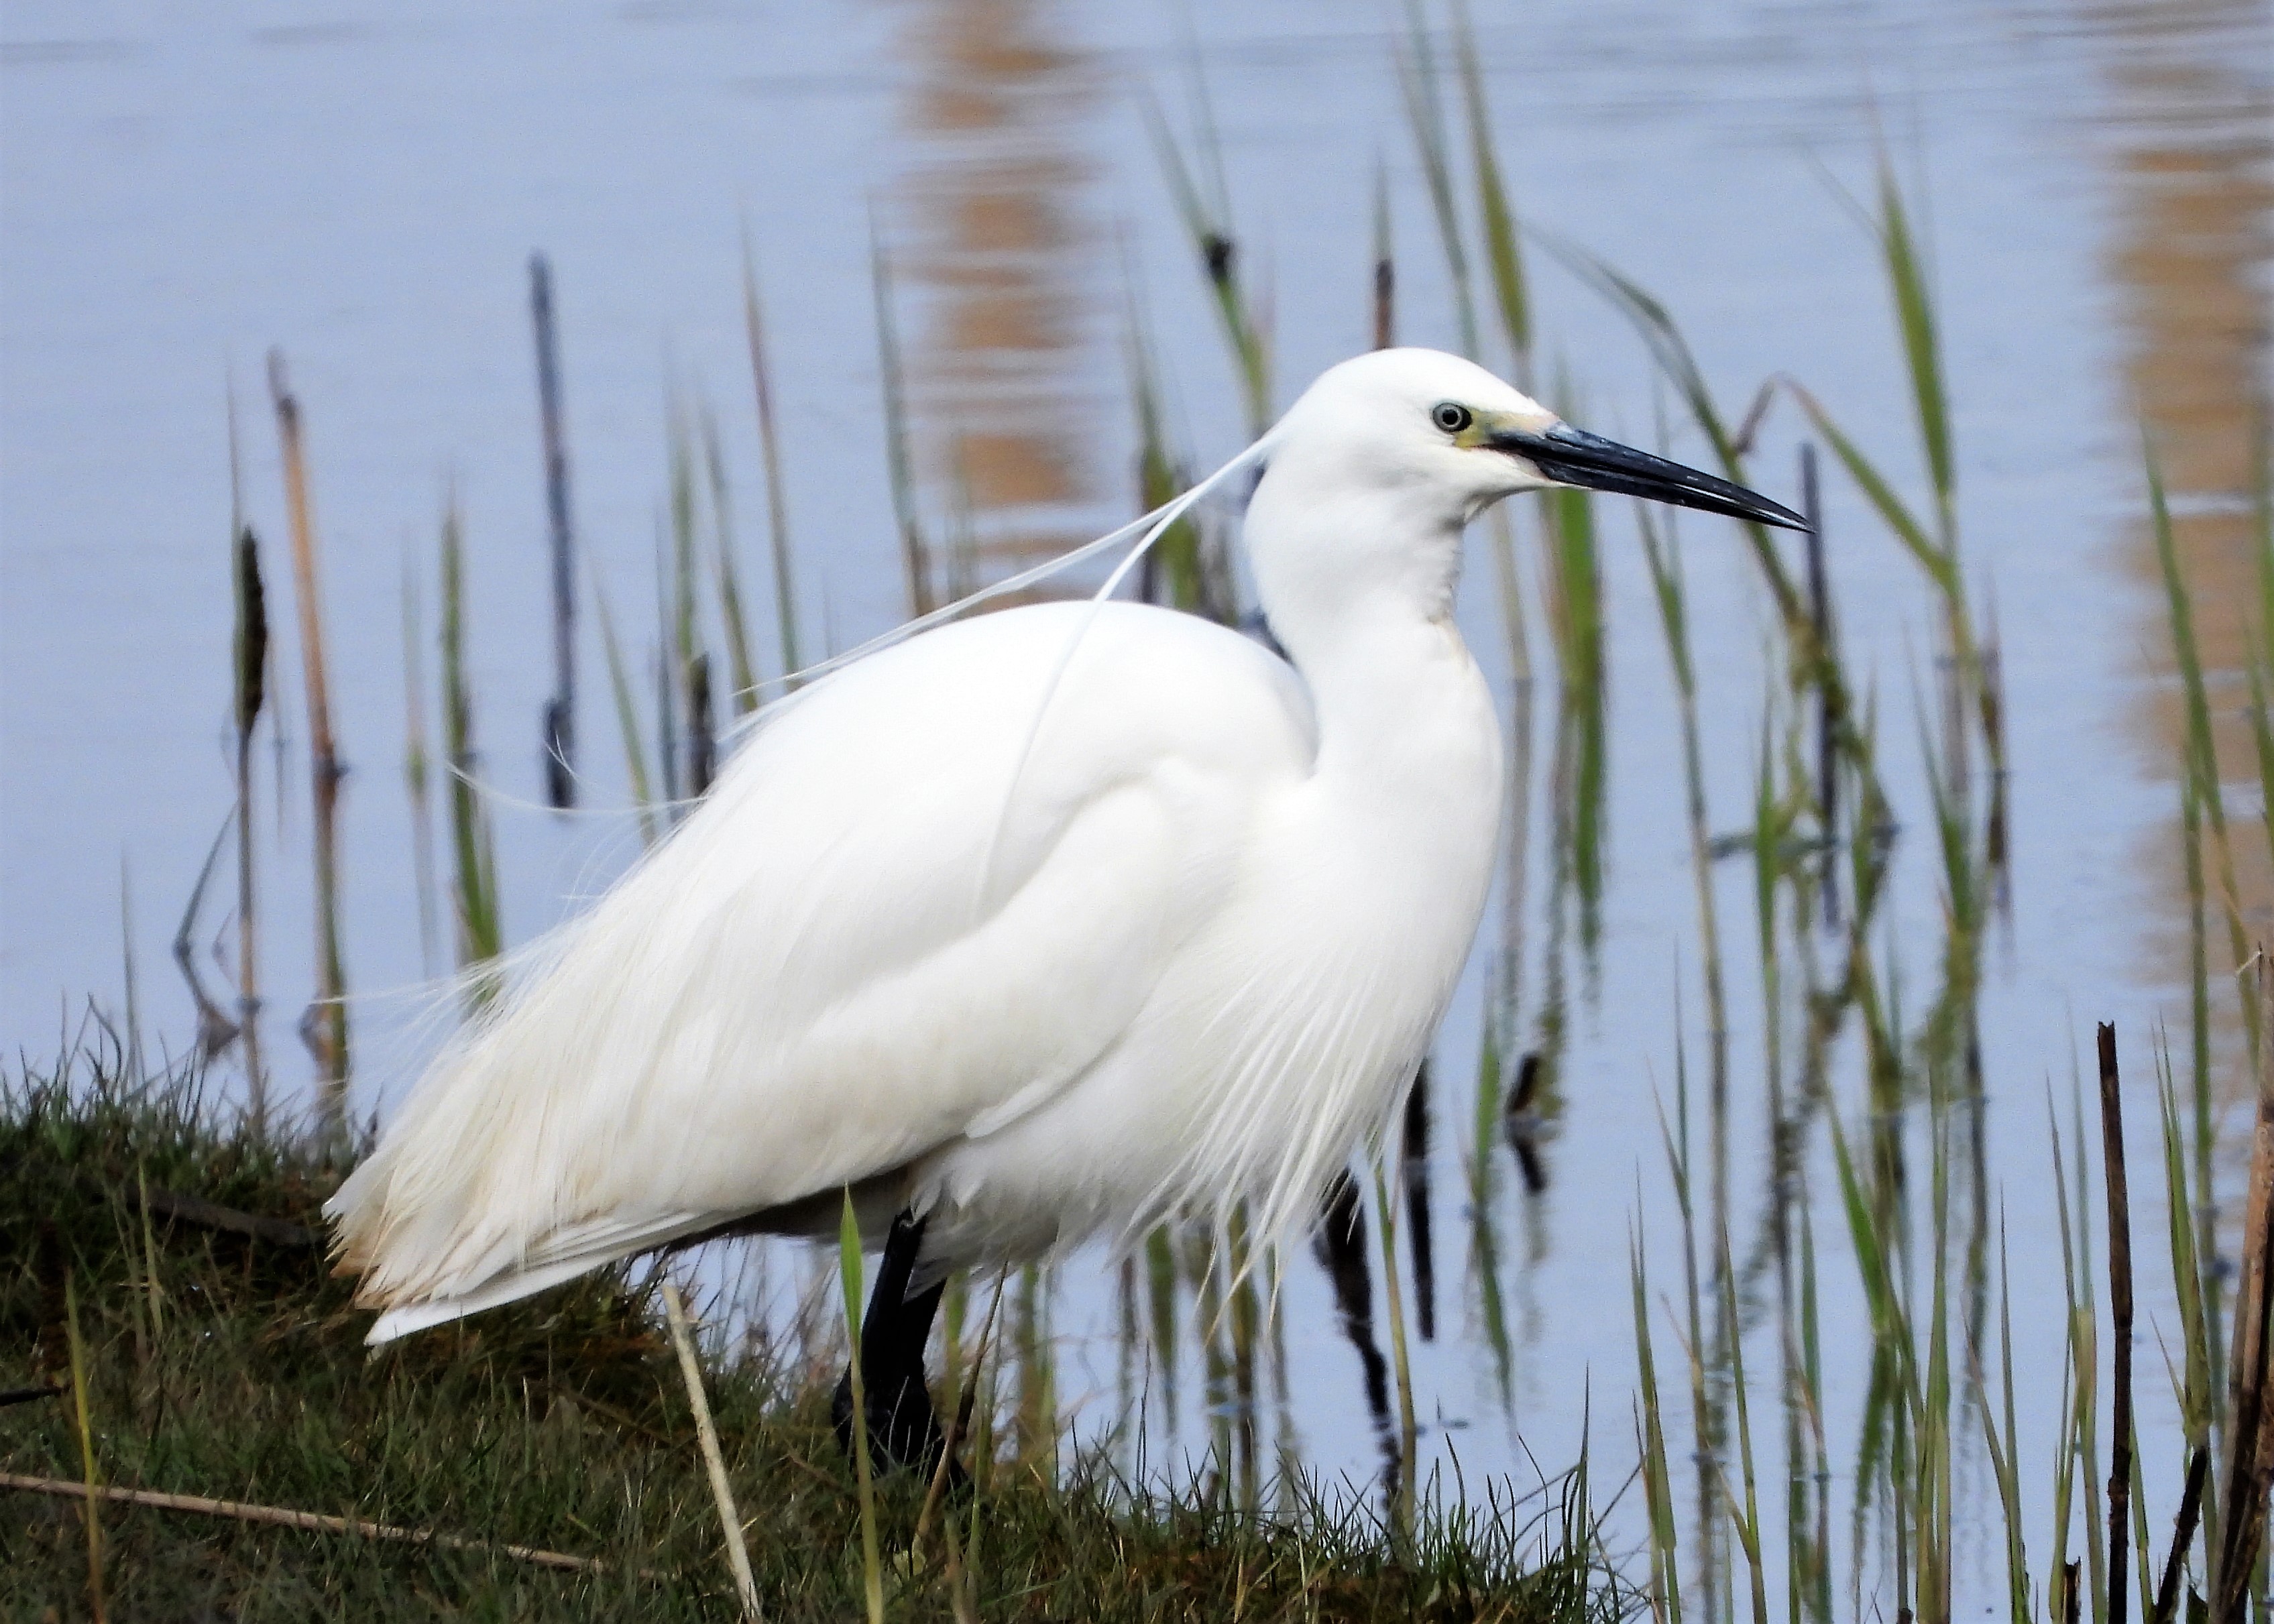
(2119, 1304)
(324, 1026)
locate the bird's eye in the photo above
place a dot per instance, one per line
(1450, 416)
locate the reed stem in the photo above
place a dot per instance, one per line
(324, 1027)
(913, 560)
(481, 934)
(770, 453)
(418, 765)
(559, 722)
(2119, 1304)
(91, 1508)
(2250, 1401)
(848, 1263)
(1408, 1432)
(249, 666)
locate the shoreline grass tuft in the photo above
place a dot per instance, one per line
(222, 1360)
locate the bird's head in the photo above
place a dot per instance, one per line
(1431, 429)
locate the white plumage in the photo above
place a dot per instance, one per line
(1044, 922)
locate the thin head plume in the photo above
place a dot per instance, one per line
(512, 802)
(1149, 526)
(1156, 525)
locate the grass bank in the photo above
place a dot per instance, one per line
(163, 1279)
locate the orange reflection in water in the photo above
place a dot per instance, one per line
(995, 252)
(2191, 142)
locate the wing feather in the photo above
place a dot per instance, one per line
(866, 942)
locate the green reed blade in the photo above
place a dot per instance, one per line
(1907, 280)
(915, 558)
(1492, 1307)
(778, 542)
(1179, 556)
(1583, 732)
(1161, 1303)
(2003, 1464)
(1497, 218)
(2201, 750)
(1660, 335)
(1674, 621)
(1748, 1518)
(728, 571)
(1425, 114)
(416, 764)
(1207, 227)
(1408, 1432)
(848, 1274)
(2261, 738)
(2194, 1388)
(474, 878)
(1934, 556)
(1658, 1489)
(628, 722)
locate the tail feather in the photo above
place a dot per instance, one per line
(562, 1256)
(506, 1289)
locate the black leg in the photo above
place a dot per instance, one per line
(903, 1431)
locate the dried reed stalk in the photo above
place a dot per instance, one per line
(324, 1027)
(738, 1554)
(278, 1516)
(960, 1426)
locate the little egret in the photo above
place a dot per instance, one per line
(1046, 924)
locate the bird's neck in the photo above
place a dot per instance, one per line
(1359, 592)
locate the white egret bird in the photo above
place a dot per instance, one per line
(1041, 924)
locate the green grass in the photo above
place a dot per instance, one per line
(230, 1367)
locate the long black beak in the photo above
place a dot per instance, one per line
(1573, 456)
